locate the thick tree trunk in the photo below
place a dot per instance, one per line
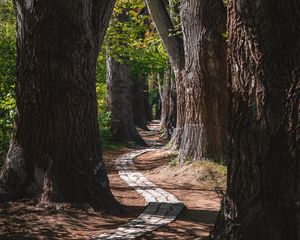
(138, 104)
(55, 150)
(118, 90)
(206, 95)
(263, 171)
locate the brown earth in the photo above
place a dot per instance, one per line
(199, 197)
(192, 184)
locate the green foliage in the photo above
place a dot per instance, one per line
(7, 74)
(133, 38)
(101, 90)
(188, 160)
(225, 35)
(174, 160)
(174, 10)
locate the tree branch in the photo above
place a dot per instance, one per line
(163, 23)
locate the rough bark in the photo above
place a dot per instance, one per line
(156, 101)
(162, 89)
(168, 99)
(158, 110)
(55, 151)
(118, 90)
(147, 102)
(263, 171)
(180, 109)
(174, 47)
(138, 104)
(164, 25)
(205, 131)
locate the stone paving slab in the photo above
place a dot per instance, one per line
(163, 207)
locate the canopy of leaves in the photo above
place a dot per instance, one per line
(132, 38)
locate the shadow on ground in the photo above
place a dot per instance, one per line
(27, 221)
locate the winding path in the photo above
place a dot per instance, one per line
(163, 207)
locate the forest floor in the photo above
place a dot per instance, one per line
(193, 184)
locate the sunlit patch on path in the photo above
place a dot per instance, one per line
(163, 207)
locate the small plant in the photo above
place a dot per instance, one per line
(188, 160)
(174, 160)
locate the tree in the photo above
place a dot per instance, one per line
(138, 101)
(135, 42)
(147, 101)
(167, 91)
(55, 152)
(199, 64)
(174, 47)
(118, 87)
(263, 172)
(119, 102)
(205, 130)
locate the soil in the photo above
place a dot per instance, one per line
(27, 219)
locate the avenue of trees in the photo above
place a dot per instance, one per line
(223, 77)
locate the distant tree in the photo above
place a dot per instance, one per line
(147, 101)
(167, 91)
(263, 187)
(135, 42)
(119, 102)
(138, 101)
(174, 46)
(55, 151)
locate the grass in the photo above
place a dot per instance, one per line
(173, 159)
(212, 166)
(205, 171)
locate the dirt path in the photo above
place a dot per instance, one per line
(26, 220)
(162, 208)
(201, 201)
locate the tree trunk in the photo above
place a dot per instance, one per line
(55, 151)
(168, 96)
(206, 94)
(180, 109)
(118, 90)
(163, 92)
(138, 104)
(174, 47)
(147, 102)
(263, 171)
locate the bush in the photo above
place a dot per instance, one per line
(7, 74)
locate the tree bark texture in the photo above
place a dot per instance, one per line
(180, 109)
(175, 49)
(263, 171)
(55, 151)
(168, 99)
(118, 90)
(138, 102)
(205, 131)
(147, 102)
